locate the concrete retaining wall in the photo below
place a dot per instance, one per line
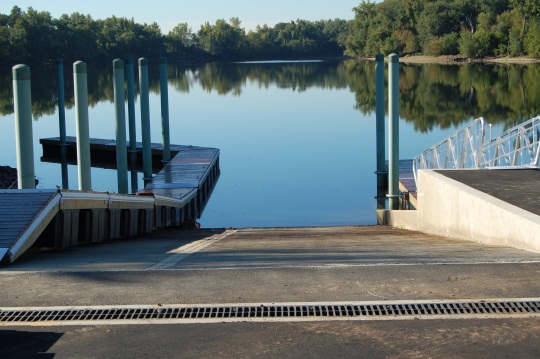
(449, 208)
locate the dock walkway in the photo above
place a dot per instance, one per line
(176, 197)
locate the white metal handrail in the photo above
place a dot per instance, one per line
(467, 148)
(463, 149)
(517, 147)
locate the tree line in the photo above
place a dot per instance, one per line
(33, 36)
(471, 28)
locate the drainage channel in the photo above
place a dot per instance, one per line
(404, 310)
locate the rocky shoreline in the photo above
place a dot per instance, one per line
(8, 177)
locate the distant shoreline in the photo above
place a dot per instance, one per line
(464, 60)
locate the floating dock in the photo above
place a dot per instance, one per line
(176, 196)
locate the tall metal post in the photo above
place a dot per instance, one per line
(24, 139)
(120, 116)
(62, 122)
(382, 171)
(145, 120)
(80, 76)
(393, 130)
(61, 105)
(132, 126)
(163, 74)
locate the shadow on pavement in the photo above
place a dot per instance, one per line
(23, 344)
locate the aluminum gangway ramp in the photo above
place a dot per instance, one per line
(24, 214)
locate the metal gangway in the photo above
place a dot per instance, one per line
(517, 147)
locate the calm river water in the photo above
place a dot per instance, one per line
(297, 139)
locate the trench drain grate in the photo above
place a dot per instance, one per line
(239, 312)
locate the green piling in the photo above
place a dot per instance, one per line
(80, 76)
(393, 131)
(145, 120)
(163, 82)
(22, 101)
(132, 126)
(382, 172)
(62, 122)
(120, 116)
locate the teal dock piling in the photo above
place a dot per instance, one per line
(132, 126)
(382, 171)
(163, 82)
(120, 116)
(62, 121)
(22, 101)
(393, 131)
(145, 120)
(82, 128)
(61, 99)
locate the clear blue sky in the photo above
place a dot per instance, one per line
(168, 13)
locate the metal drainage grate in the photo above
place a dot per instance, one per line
(367, 311)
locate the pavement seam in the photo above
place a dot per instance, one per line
(271, 267)
(181, 253)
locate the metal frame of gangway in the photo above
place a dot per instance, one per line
(518, 147)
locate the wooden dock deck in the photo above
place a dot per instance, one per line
(176, 197)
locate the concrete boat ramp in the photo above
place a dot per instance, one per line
(374, 292)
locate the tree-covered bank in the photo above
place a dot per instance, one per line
(470, 28)
(36, 37)
(466, 28)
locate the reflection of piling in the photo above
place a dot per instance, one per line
(132, 127)
(22, 101)
(120, 116)
(163, 74)
(145, 120)
(62, 122)
(382, 172)
(393, 130)
(82, 127)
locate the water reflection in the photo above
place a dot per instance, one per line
(297, 139)
(432, 95)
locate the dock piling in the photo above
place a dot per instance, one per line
(163, 82)
(393, 131)
(62, 121)
(61, 99)
(382, 171)
(145, 120)
(120, 116)
(82, 128)
(22, 101)
(132, 126)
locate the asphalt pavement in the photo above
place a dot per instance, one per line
(280, 265)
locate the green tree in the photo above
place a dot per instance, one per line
(180, 38)
(77, 37)
(437, 19)
(222, 40)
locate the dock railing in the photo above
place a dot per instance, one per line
(516, 147)
(468, 148)
(463, 149)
